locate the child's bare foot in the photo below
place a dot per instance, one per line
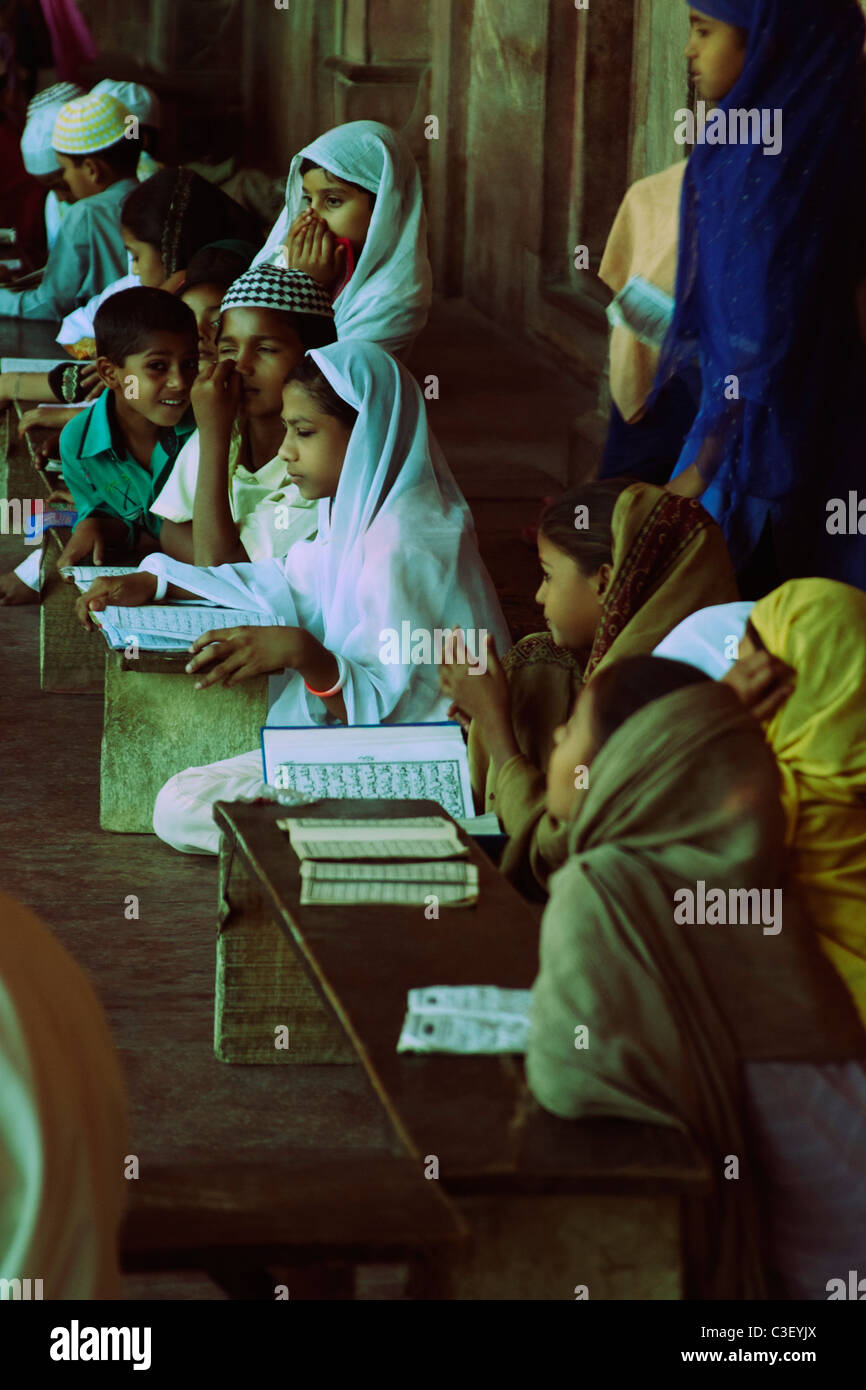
(13, 591)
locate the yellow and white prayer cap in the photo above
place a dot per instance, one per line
(89, 123)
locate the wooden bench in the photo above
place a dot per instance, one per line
(69, 660)
(16, 469)
(157, 724)
(553, 1207)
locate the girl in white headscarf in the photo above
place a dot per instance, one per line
(395, 553)
(354, 219)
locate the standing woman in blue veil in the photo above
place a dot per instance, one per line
(772, 239)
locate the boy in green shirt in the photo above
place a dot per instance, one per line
(117, 454)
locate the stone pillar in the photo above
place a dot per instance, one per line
(659, 86)
(451, 27)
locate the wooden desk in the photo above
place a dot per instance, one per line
(552, 1205)
(156, 724)
(244, 1223)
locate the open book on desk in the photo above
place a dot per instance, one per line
(404, 860)
(169, 627)
(388, 761)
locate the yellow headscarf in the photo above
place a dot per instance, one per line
(819, 738)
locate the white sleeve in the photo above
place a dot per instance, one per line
(79, 324)
(177, 498)
(261, 588)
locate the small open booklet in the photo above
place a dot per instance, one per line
(405, 860)
(403, 761)
(469, 1019)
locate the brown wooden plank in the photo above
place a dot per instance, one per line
(473, 1113)
(366, 1207)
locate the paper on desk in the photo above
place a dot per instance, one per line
(171, 627)
(468, 1019)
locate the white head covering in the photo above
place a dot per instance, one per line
(139, 100)
(63, 1129)
(709, 638)
(388, 297)
(395, 546)
(36, 149)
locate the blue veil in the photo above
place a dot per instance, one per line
(771, 250)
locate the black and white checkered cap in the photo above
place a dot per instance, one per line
(269, 287)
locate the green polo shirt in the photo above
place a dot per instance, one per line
(102, 475)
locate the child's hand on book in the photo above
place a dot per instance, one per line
(124, 590)
(241, 653)
(216, 398)
(312, 248)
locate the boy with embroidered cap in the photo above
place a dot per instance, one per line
(97, 158)
(229, 497)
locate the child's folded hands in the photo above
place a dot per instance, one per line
(124, 590)
(477, 688)
(312, 248)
